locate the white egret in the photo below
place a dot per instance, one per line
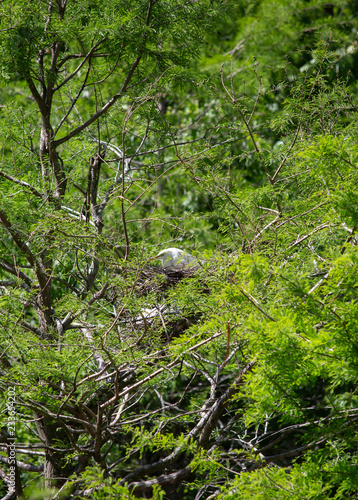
(174, 258)
(148, 315)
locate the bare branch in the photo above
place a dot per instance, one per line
(23, 465)
(165, 479)
(164, 368)
(218, 407)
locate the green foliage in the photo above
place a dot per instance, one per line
(104, 488)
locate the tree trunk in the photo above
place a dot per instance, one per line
(51, 163)
(56, 468)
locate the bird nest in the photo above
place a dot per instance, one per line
(154, 279)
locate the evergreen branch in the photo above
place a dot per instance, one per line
(291, 453)
(114, 99)
(86, 57)
(19, 241)
(22, 183)
(315, 230)
(66, 322)
(73, 101)
(42, 410)
(287, 153)
(76, 215)
(79, 56)
(301, 214)
(162, 148)
(103, 110)
(176, 164)
(293, 176)
(31, 328)
(255, 303)
(266, 227)
(35, 94)
(15, 272)
(44, 300)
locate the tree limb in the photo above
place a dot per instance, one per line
(23, 465)
(15, 272)
(22, 183)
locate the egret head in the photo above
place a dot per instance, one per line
(174, 258)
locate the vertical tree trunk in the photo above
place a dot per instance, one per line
(51, 163)
(56, 468)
